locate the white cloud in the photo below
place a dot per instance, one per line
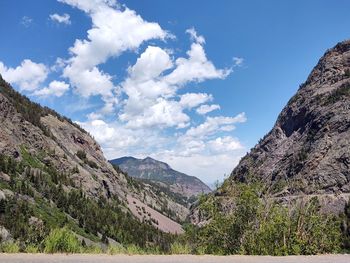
(238, 62)
(152, 62)
(26, 21)
(225, 144)
(191, 100)
(28, 76)
(195, 68)
(113, 32)
(148, 103)
(162, 113)
(204, 109)
(194, 36)
(209, 168)
(152, 98)
(62, 19)
(214, 124)
(60, 63)
(55, 88)
(207, 159)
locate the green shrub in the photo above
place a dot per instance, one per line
(93, 249)
(9, 247)
(178, 248)
(62, 240)
(31, 249)
(81, 154)
(116, 249)
(134, 250)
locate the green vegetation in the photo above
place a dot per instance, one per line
(82, 156)
(259, 228)
(9, 247)
(45, 200)
(346, 226)
(48, 212)
(342, 92)
(62, 240)
(178, 248)
(31, 112)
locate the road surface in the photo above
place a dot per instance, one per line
(59, 258)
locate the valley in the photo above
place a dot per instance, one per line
(112, 123)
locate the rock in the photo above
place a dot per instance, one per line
(4, 234)
(2, 195)
(307, 150)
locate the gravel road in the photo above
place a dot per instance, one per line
(59, 258)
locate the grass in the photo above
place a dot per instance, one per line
(62, 240)
(180, 249)
(93, 249)
(32, 249)
(9, 247)
(116, 249)
(29, 159)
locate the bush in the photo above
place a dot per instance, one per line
(62, 240)
(31, 249)
(93, 249)
(9, 247)
(134, 250)
(178, 249)
(81, 154)
(258, 228)
(116, 249)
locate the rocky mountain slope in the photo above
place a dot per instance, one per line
(162, 174)
(307, 152)
(58, 170)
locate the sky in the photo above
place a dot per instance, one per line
(190, 82)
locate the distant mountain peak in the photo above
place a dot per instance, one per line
(157, 171)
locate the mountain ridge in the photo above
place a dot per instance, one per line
(158, 171)
(306, 153)
(51, 166)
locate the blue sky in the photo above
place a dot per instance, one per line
(193, 83)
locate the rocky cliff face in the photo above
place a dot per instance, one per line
(307, 152)
(57, 141)
(161, 173)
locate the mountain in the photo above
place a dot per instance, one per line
(307, 152)
(54, 174)
(160, 172)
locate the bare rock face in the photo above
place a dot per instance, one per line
(161, 173)
(59, 146)
(307, 152)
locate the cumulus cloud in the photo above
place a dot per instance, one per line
(195, 68)
(62, 19)
(106, 39)
(55, 88)
(162, 113)
(204, 109)
(214, 124)
(191, 100)
(28, 76)
(225, 144)
(154, 116)
(152, 98)
(194, 36)
(208, 158)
